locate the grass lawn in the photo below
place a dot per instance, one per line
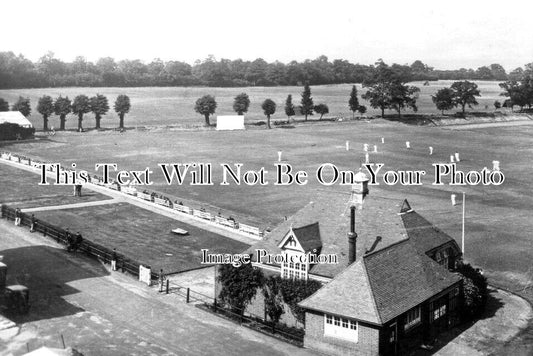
(29, 194)
(142, 235)
(175, 106)
(498, 222)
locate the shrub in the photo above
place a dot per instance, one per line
(294, 291)
(11, 131)
(475, 292)
(239, 285)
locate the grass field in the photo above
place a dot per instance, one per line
(142, 235)
(497, 220)
(498, 223)
(29, 194)
(175, 106)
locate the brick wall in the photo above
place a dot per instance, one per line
(368, 342)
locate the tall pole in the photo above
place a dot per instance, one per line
(463, 233)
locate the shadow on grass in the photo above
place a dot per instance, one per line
(47, 273)
(493, 305)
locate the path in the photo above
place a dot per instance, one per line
(73, 206)
(485, 125)
(111, 314)
(189, 219)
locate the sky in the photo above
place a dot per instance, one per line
(443, 34)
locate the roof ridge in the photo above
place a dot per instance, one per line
(303, 227)
(372, 253)
(376, 309)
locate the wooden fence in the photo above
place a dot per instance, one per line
(88, 247)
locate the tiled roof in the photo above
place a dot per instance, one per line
(309, 237)
(401, 278)
(381, 222)
(378, 217)
(353, 300)
(424, 235)
(382, 285)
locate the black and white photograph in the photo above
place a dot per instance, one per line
(284, 178)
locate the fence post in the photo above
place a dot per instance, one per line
(168, 283)
(188, 291)
(215, 304)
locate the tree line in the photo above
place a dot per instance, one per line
(62, 106)
(207, 105)
(386, 89)
(48, 71)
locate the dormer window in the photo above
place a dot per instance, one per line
(291, 242)
(295, 246)
(292, 267)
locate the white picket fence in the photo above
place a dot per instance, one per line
(225, 222)
(164, 202)
(248, 229)
(202, 214)
(144, 196)
(183, 209)
(129, 190)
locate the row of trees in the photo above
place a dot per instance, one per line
(207, 105)
(48, 71)
(458, 94)
(62, 106)
(519, 92)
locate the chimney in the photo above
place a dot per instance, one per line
(352, 237)
(375, 244)
(3, 275)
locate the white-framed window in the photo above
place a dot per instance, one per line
(294, 269)
(412, 318)
(341, 328)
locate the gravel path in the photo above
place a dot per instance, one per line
(103, 313)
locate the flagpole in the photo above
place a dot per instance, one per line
(463, 233)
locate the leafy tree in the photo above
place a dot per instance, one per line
(269, 108)
(475, 291)
(255, 72)
(353, 103)
(465, 93)
(241, 103)
(239, 285)
(22, 105)
(321, 109)
(404, 96)
(62, 107)
(273, 299)
(307, 102)
(289, 107)
(122, 107)
(388, 88)
(45, 107)
(517, 92)
(206, 105)
(99, 106)
(444, 99)
(81, 105)
(378, 96)
(362, 109)
(4, 105)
